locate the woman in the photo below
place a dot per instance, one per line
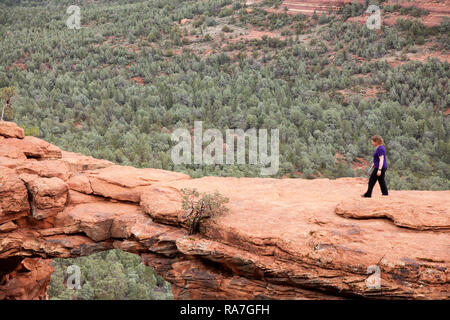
(380, 167)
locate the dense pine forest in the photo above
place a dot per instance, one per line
(118, 86)
(108, 275)
(137, 70)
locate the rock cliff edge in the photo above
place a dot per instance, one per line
(281, 239)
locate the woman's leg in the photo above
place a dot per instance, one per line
(372, 181)
(382, 182)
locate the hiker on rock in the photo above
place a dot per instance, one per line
(380, 167)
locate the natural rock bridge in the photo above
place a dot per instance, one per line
(281, 239)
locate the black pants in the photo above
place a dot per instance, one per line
(373, 179)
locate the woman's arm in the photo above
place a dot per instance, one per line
(381, 165)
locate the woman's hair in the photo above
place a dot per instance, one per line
(377, 139)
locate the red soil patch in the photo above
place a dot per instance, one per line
(361, 19)
(344, 92)
(18, 65)
(207, 52)
(339, 156)
(21, 65)
(447, 112)
(393, 64)
(371, 92)
(117, 42)
(255, 34)
(424, 57)
(47, 66)
(128, 66)
(177, 51)
(359, 163)
(138, 80)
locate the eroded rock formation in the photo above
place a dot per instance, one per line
(281, 239)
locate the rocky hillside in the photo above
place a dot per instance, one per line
(438, 9)
(281, 239)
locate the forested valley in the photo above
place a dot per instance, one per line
(108, 275)
(137, 70)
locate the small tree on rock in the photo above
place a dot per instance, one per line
(198, 207)
(6, 95)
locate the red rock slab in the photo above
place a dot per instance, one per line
(29, 281)
(63, 246)
(127, 183)
(34, 244)
(295, 220)
(10, 243)
(11, 130)
(8, 162)
(163, 204)
(113, 191)
(10, 151)
(78, 162)
(45, 169)
(302, 275)
(31, 147)
(104, 220)
(437, 9)
(193, 279)
(297, 278)
(131, 177)
(418, 210)
(24, 242)
(101, 220)
(239, 261)
(308, 7)
(134, 225)
(13, 196)
(430, 5)
(95, 219)
(8, 226)
(163, 240)
(47, 196)
(80, 182)
(76, 197)
(129, 246)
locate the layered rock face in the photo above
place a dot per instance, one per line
(281, 239)
(438, 9)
